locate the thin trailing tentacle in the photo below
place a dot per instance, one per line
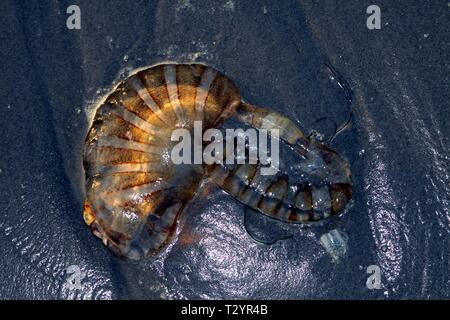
(259, 241)
(337, 129)
(348, 92)
(341, 128)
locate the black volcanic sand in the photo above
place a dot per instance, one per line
(278, 53)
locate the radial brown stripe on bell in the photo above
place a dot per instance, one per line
(115, 125)
(127, 96)
(170, 74)
(105, 145)
(188, 79)
(274, 196)
(114, 182)
(136, 84)
(340, 195)
(155, 83)
(222, 100)
(110, 155)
